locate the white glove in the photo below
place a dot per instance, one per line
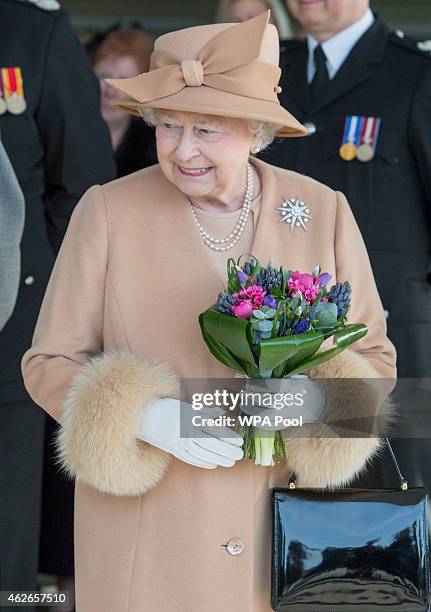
(284, 399)
(159, 424)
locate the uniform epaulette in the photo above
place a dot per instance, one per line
(45, 5)
(422, 48)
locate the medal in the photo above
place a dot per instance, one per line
(367, 149)
(347, 151)
(16, 105)
(365, 152)
(351, 136)
(13, 90)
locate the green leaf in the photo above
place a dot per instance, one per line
(263, 326)
(277, 292)
(286, 275)
(219, 351)
(328, 307)
(327, 316)
(344, 337)
(231, 333)
(287, 352)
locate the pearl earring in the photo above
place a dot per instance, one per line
(256, 150)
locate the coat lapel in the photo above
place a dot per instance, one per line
(294, 80)
(355, 70)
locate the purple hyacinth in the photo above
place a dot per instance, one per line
(301, 326)
(312, 313)
(225, 302)
(340, 295)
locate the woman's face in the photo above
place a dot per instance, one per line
(203, 155)
(113, 67)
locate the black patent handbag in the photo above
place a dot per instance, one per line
(351, 550)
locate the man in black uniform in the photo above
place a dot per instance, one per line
(364, 93)
(59, 146)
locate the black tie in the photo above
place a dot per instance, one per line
(321, 77)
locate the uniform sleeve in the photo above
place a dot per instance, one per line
(420, 135)
(76, 140)
(353, 265)
(12, 213)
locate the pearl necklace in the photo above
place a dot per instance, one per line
(224, 244)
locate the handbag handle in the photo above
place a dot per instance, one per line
(404, 485)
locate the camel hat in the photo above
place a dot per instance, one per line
(224, 69)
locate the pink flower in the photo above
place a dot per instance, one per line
(243, 309)
(305, 283)
(248, 300)
(255, 293)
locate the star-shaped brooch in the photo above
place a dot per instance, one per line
(295, 212)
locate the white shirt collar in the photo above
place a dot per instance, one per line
(338, 47)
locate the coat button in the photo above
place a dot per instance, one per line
(235, 546)
(310, 127)
(386, 313)
(29, 280)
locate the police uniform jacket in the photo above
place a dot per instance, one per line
(385, 76)
(58, 147)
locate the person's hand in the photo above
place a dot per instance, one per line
(167, 424)
(282, 400)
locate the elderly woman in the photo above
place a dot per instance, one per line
(164, 522)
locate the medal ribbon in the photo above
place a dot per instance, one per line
(370, 131)
(352, 129)
(375, 132)
(12, 82)
(369, 128)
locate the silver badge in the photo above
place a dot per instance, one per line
(295, 212)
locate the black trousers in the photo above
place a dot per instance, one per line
(21, 460)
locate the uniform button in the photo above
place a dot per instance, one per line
(310, 127)
(386, 313)
(235, 547)
(400, 34)
(29, 280)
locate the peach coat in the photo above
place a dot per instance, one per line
(129, 283)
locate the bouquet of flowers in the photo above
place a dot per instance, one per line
(270, 323)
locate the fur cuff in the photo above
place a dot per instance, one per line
(331, 456)
(96, 443)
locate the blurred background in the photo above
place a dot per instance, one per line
(411, 16)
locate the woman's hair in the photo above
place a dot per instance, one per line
(279, 13)
(265, 130)
(122, 42)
